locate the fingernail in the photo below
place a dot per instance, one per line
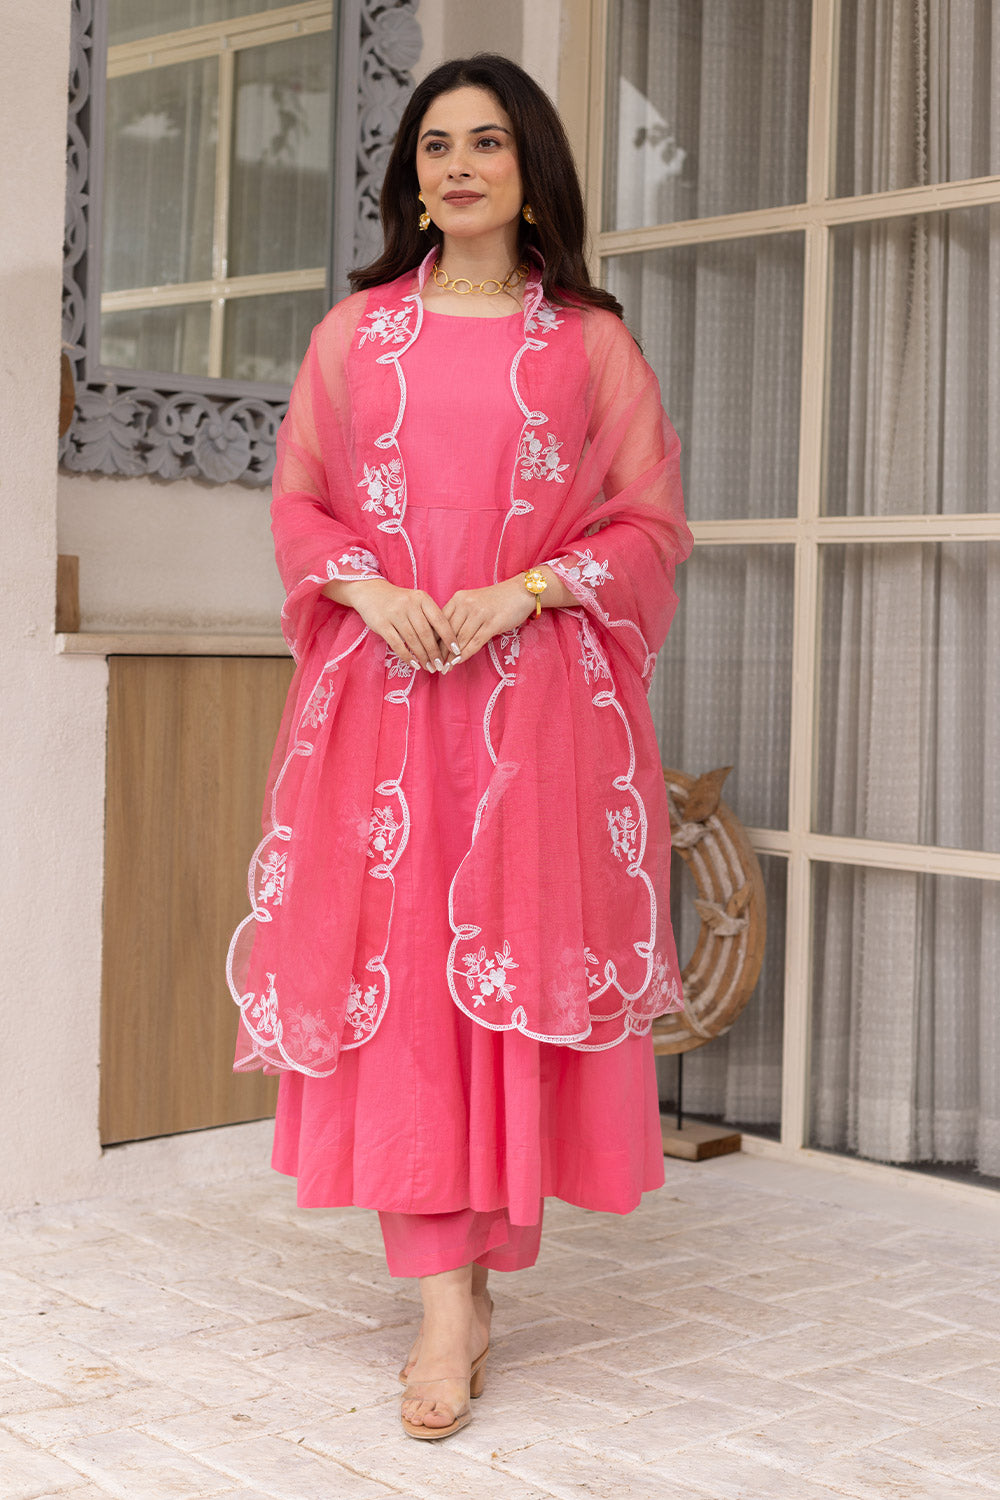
(439, 663)
(414, 663)
(457, 649)
(428, 666)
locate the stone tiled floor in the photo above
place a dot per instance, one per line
(756, 1329)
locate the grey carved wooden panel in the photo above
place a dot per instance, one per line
(176, 426)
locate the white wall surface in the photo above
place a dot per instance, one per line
(182, 556)
(526, 30)
(52, 724)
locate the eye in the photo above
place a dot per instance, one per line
(487, 140)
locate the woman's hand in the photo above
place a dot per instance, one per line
(475, 616)
(408, 620)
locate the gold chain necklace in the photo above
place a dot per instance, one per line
(491, 287)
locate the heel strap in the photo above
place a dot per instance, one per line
(438, 1380)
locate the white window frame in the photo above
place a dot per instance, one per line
(221, 40)
(808, 531)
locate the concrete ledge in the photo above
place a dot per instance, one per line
(166, 643)
(874, 1187)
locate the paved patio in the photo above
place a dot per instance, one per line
(756, 1329)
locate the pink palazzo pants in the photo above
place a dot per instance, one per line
(424, 1244)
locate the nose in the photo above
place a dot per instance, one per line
(459, 165)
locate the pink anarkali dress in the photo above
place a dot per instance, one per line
(454, 1131)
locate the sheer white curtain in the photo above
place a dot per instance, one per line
(176, 206)
(708, 118)
(906, 1057)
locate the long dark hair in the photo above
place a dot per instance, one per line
(548, 173)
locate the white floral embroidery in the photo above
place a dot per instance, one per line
(272, 879)
(395, 667)
(358, 558)
(622, 826)
(362, 1011)
(590, 959)
(384, 483)
(663, 987)
(317, 710)
(382, 832)
(490, 975)
(544, 317)
(588, 570)
(265, 1012)
(540, 460)
(510, 645)
(310, 1031)
(387, 326)
(592, 659)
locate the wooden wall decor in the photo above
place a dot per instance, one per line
(720, 975)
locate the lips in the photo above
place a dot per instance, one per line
(460, 198)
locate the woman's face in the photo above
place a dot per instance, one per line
(467, 165)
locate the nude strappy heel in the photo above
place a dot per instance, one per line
(462, 1417)
(476, 1363)
(477, 1379)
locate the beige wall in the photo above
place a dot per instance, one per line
(152, 555)
(52, 725)
(529, 31)
(181, 556)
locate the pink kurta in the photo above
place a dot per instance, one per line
(436, 1113)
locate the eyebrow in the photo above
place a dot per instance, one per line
(476, 130)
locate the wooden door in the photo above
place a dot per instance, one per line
(189, 741)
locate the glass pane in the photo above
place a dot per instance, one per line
(736, 1077)
(913, 416)
(919, 94)
(171, 339)
(909, 710)
(721, 324)
(281, 148)
(266, 337)
(721, 693)
(159, 176)
(128, 20)
(906, 1029)
(706, 108)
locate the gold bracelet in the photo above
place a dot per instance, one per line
(536, 583)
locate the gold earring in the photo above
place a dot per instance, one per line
(528, 214)
(425, 218)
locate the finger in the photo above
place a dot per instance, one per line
(424, 641)
(462, 629)
(475, 627)
(442, 623)
(396, 642)
(476, 641)
(446, 636)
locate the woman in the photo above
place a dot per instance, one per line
(460, 930)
